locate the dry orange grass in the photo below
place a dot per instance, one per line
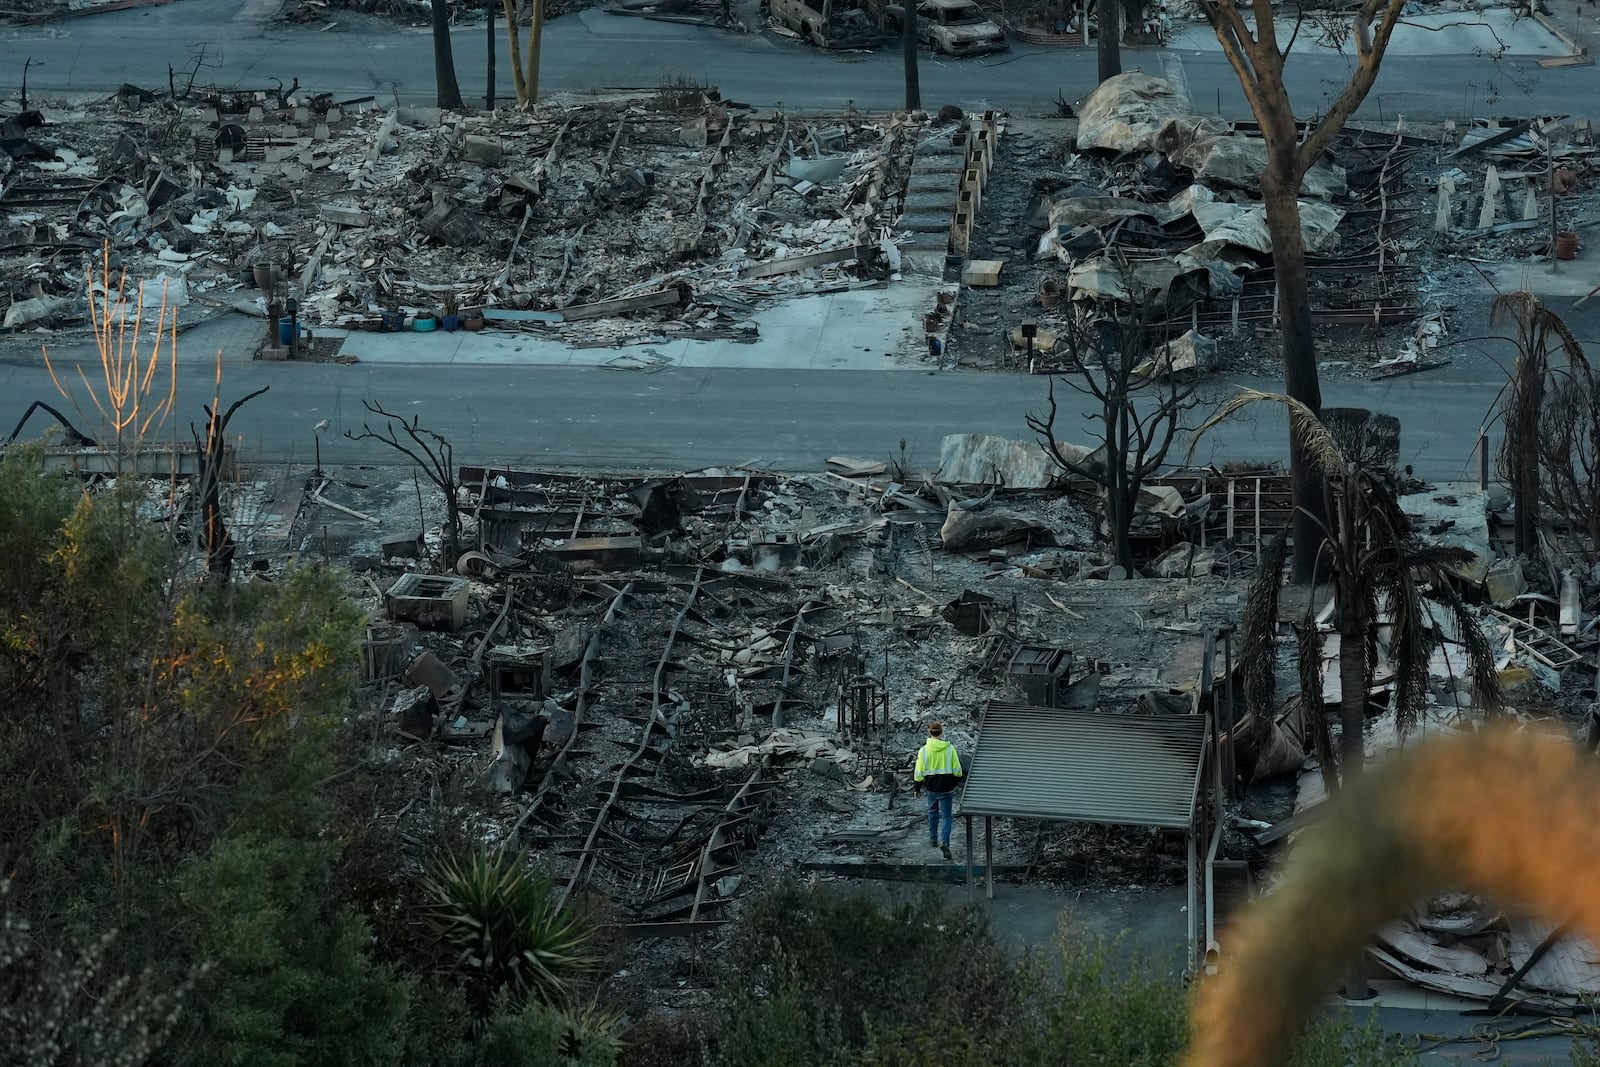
(1509, 813)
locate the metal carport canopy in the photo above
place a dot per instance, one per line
(1085, 766)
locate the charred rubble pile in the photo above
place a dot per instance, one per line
(674, 208)
(1142, 203)
(665, 686)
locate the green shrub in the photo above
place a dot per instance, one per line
(875, 963)
(1124, 1011)
(789, 1028)
(543, 1036)
(63, 1007)
(668, 1041)
(821, 978)
(289, 985)
(1335, 1042)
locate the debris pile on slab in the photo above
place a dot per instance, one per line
(1141, 202)
(670, 212)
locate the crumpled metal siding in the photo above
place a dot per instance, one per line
(1047, 763)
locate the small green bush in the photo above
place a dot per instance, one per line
(289, 986)
(873, 963)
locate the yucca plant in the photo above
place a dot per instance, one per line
(594, 1032)
(502, 929)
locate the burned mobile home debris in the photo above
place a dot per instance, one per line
(632, 670)
(671, 687)
(1140, 199)
(676, 216)
(669, 214)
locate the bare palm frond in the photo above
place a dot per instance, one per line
(1309, 648)
(1533, 318)
(1480, 654)
(1410, 649)
(1304, 427)
(1439, 560)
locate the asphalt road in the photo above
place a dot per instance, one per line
(683, 419)
(242, 47)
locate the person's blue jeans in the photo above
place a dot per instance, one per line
(941, 816)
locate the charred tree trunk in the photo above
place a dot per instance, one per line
(1525, 487)
(1110, 40)
(1122, 488)
(1120, 503)
(1280, 195)
(215, 540)
(530, 73)
(908, 40)
(444, 63)
(452, 530)
(1352, 739)
(488, 95)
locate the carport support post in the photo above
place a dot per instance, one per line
(1193, 903)
(970, 879)
(1554, 259)
(988, 851)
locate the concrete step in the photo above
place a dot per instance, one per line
(927, 221)
(930, 203)
(932, 182)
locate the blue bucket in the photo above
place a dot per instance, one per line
(288, 332)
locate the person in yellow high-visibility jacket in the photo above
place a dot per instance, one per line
(939, 772)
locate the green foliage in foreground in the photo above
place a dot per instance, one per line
(823, 978)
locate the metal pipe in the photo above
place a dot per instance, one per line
(585, 679)
(1211, 891)
(586, 858)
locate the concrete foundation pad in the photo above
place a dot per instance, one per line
(865, 329)
(1571, 277)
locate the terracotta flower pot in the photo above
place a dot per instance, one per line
(1049, 293)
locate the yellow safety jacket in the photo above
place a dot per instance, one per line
(938, 766)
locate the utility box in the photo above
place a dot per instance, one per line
(1041, 673)
(432, 601)
(517, 677)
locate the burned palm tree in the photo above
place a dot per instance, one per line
(1541, 334)
(1569, 455)
(1382, 576)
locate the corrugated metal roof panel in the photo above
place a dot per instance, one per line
(1048, 763)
